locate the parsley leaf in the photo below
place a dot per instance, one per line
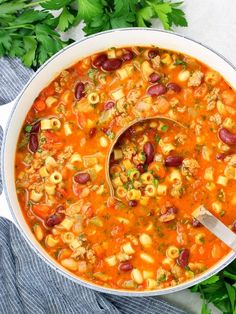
(89, 9)
(219, 290)
(162, 11)
(143, 17)
(55, 4)
(33, 36)
(65, 20)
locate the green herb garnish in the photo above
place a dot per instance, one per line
(164, 128)
(28, 128)
(220, 290)
(181, 62)
(157, 138)
(29, 30)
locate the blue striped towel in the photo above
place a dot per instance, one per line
(27, 284)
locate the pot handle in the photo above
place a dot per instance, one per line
(5, 113)
(4, 208)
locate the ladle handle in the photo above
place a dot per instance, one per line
(214, 225)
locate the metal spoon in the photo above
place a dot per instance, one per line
(120, 133)
(214, 225)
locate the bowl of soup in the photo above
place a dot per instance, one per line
(55, 151)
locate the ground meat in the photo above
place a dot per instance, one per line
(129, 151)
(122, 257)
(216, 118)
(189, 167)
(231, 160)
(79, 253)
(195, 79)
(177, 189)
(91, 256)
(212, 98)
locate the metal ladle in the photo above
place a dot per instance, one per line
(120, 133)
(209, 221)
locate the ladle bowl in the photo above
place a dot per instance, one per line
(119, 135)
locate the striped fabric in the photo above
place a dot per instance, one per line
(27, 284)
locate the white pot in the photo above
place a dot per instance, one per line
(65, 58)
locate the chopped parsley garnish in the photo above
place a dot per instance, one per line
(157, 138)
(164, 128)
(28, 128)
(180, 62)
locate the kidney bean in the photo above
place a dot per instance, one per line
(60, 208)
(196, 223)
(79, 90)
(92, 132)
(110, 104)
(156, 90)
(132, 130)
(173, 161)
(169, 215)
(98, 61)
(153, 53)
(105, 130)
(183, 258)
(227, 137)
(125, 266)
(221, 156)
(133, 203)
(154, 77)
(82, 178)
(234, 226)
(111, 64)
(54, 219)
(127, 56)
(33, 142)
(140, 168)
(149, 152)
(35, 127)
(173, 86)
(59, 195)
(172, 210)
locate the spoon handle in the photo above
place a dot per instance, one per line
(214, 225)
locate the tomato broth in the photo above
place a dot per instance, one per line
(161, 171)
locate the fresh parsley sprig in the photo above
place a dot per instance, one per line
(29, 30)
(220, 290)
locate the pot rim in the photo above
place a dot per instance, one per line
(53, 264)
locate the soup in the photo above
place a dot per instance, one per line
(160, 170)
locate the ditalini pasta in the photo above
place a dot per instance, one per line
(160, 170)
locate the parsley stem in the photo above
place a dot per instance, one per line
(34, 4)
(28, 26)
(229, 275)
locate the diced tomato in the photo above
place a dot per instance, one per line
(63, 192)
(64, 253)
(50, 90)
(52, 141)
(42, 211)
(99, 250)
(87, 211)
(117, 231)
(30, 117)
(81, 119)
(39, 105)
(158, 169)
